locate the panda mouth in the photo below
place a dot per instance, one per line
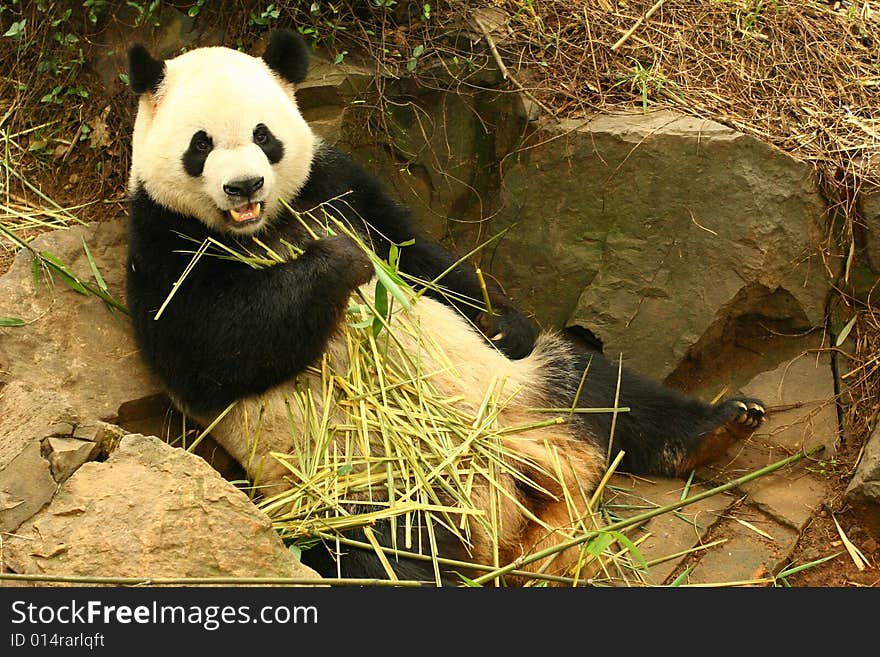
(245, 214)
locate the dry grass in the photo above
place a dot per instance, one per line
(861, 395)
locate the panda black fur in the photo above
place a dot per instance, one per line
(218, 141)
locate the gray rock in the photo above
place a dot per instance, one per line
(26, 482)
(871, 216)
(73, 345)
(42, 442)
(67, 453)
(69, 371)
(653, 230)
(865, 484)
(150, 510)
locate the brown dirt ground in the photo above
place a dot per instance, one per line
(820, 537)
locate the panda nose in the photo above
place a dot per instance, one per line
(244, 187)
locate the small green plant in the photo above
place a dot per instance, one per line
(413, 61)
(95, 9)
(16, 30)
(324, 25)
(193, 11)
(60, 93)
(62, 63)
(749, 14)
(147, 12)
(825, 467)
(647, 83)
(268, 16)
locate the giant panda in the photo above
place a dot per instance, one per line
(220, 151)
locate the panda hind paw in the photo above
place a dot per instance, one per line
(733, 420)
(750, 413)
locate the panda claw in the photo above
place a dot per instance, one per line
(497, 337)
(751, 414)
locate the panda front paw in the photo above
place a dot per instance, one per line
(352, 261)
(509, 330)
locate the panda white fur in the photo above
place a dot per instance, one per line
(218, 144)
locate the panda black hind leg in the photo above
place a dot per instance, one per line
(330, 559)
(664, 432)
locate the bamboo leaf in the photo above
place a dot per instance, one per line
(381, 305)
(844, 334)
(63, 272)
(11, 321)
(854, 552)
(98, 278)
(678, 581)
(392, 286)
(469, 582)
(634, 551)
(600, 543)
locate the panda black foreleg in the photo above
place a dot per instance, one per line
(664, 432)
(359, 198)
(508, 329)
(232, 331)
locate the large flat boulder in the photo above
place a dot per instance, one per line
(653, 230)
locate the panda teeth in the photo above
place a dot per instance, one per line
(245, 213)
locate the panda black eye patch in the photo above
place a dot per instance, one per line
(271, 145)
(200, 145)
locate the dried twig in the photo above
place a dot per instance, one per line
(630, 31)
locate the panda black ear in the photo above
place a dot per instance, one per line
(144, 72)
(288, 55)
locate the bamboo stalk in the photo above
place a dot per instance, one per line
(203, 581)
(485, 292)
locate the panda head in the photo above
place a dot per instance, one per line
(218, 134)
